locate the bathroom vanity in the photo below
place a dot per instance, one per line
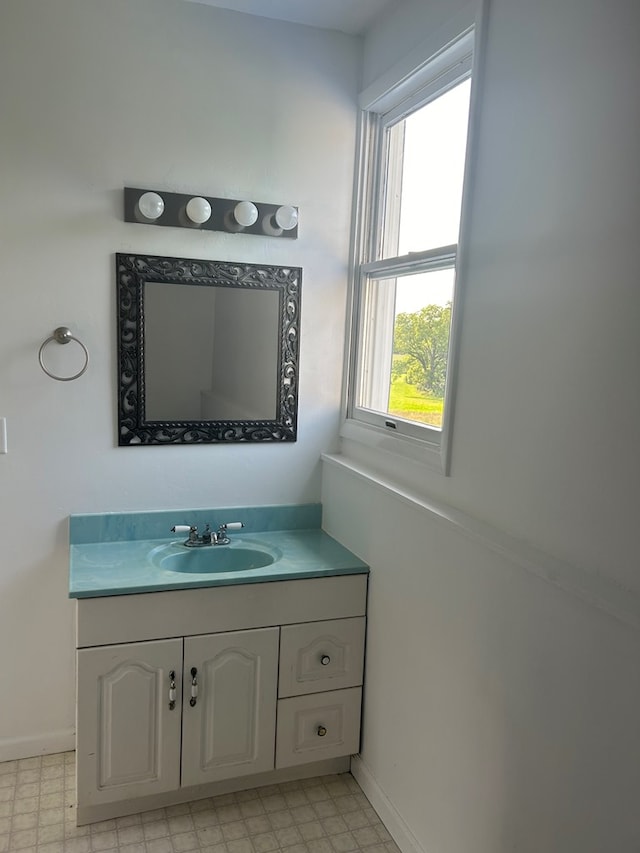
(192, 684)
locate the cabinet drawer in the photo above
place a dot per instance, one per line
(315, 727)
(319, 656)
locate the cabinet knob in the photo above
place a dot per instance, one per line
(172, 690)
(194, 686)
(321, 731)
(325, 660)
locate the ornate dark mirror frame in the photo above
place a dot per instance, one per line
(132, 273)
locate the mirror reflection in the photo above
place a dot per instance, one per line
(207, 351)
(211, 353)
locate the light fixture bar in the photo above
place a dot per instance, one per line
(205, 213)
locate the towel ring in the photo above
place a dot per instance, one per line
(62, 335)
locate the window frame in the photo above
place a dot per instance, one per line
(382, 105)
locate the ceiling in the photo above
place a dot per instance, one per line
(348, 16)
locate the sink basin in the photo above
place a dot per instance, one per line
(211, 559)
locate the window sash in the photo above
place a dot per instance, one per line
(372, 377)
(415, 262)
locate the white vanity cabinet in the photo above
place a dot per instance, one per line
(190, 693)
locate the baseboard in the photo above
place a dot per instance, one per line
(47, 743)
(389, 815)
(105, 811)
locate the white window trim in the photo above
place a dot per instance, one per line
(445, 59)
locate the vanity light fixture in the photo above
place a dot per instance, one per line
(150, 206)
(198, 210)
(205, 213)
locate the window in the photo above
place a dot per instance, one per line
(412, 172)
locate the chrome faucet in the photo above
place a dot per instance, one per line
(208, 537)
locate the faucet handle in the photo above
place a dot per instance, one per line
(191, 529)
(222, 537)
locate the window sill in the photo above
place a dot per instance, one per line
(404, 447)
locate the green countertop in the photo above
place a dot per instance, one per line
(121, 568)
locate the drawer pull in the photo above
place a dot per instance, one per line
(321, 731)
(172, 690)
(194, 686)
(325, 660)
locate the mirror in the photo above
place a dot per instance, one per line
(207, 351)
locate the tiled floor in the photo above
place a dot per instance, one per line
(323, 815)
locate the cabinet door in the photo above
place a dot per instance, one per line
(228, 729)
(128, 742)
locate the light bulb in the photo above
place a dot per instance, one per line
(286, 217)
(198, 210)
(151, 205)
(245, 213)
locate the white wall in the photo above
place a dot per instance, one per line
(400, 30)
(545, 442)
(95, 96)
(501, 713)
